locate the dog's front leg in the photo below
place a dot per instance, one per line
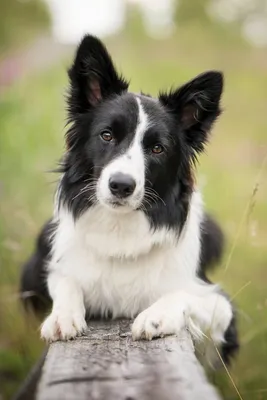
(209, 313)
(165, 317)
(67, 318)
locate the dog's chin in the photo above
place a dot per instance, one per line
(119, 206)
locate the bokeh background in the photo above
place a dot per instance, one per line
(158, 44)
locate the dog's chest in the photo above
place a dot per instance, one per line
(124, 287)
(122, 266)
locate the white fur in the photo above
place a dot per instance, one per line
(113, 262)
(203, 315)
(67, 318)
(132, 163)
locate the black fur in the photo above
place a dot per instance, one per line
(33, 278)
(179, 121)
(212, 245)
(34, 293)
(212, 249)
(92, 64)
(231, 345)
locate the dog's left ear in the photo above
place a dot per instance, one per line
(196, 105)
(93, 77)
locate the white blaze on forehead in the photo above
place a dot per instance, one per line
(135, 158)
(142, 123)
(131, 162)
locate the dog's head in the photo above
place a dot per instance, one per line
(130, 151)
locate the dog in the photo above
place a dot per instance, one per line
(129, 237)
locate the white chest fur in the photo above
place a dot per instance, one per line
(122, 266)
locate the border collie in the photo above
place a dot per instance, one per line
(128, 236)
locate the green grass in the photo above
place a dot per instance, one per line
(20, 22)
(31, 141)
(31, 125)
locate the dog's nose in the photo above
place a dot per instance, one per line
(121, 185)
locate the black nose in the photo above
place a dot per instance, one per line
(121, 185)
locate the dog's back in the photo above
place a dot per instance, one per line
(212, 240)
(33, 288)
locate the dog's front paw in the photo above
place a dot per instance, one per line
(63, 326)
(159, 320)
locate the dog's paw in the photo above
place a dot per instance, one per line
(63, 326)
(159, 320)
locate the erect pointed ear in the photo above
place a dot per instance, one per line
(93, 77)
(196, 105)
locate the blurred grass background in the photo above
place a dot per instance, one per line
(232, 172)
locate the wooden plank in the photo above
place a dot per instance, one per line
(107, 364)
(27, 390)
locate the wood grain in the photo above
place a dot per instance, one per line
(107, 364)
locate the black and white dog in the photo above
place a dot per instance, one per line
(129, 237)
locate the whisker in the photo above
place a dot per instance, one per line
(83, 190)
(145, 201)
(153, 194)
(156, 194)
(92, 179)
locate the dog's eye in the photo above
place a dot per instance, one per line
(106, 135)
(157, 149)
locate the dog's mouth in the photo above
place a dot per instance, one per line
(120, 205)
(117, 203)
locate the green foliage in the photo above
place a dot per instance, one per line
(31, 141)
(192, 10)
(20, 20)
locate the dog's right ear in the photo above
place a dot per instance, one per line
(93, 77)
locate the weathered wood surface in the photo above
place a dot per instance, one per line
(106, 364)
